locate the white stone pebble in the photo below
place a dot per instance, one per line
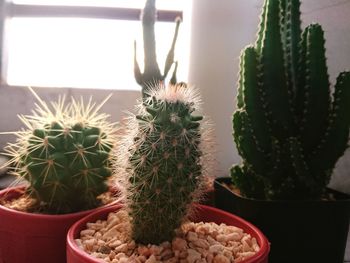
(110, 241)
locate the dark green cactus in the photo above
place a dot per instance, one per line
(64, 154)
(152, 74)
(166, 165)
(288, 128)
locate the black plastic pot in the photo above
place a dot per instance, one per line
(299, 231)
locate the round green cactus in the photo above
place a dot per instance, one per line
(64, 154)
(166, 163)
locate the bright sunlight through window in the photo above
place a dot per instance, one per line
(161, 4)
(83, 52)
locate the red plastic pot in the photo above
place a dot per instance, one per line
(205, 213)
(33, 238)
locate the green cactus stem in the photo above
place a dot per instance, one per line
(64, 154)
(152, 75)
(167, 163)
(289, 129)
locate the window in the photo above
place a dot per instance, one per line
(82, 43)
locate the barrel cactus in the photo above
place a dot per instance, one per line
(169, 157)
(288, 127)
(152, 75)
(64, 154)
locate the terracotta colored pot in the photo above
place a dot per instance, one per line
(205, 213)
(33, 238)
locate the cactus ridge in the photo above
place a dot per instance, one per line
(166, 164)
(288, 127)
(64, 154)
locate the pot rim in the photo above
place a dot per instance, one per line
(34, 216)
(345, 197)
(260, 237)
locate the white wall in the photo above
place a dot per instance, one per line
(221, 28)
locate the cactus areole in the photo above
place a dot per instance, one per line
(288, 127)
(165, 166)
(64, 155)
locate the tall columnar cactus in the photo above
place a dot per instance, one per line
(152, 74)
(64, 154)
(288, 128)
(167, 163)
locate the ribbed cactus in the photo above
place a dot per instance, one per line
(64, 155)
(152, 74)
(288, 128)
(167, 163)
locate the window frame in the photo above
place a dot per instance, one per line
(9, 9)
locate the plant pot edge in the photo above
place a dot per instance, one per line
(29, 236)
(276, 217)
(72, 246)
(218, 181)
(42, 215)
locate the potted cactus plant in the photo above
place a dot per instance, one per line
(290, 131)
(152, 74)
(64, 156)
(164, 169)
